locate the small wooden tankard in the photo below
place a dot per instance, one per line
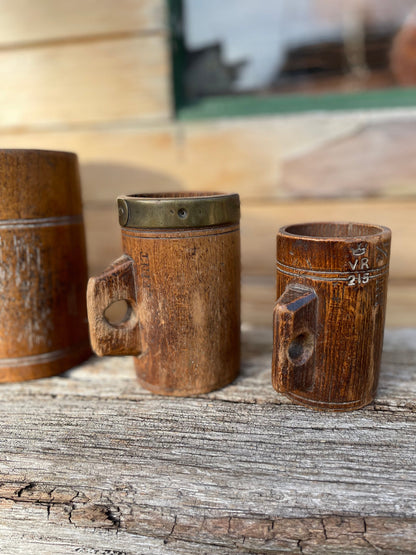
(180, 276)
(43, 268)
(329, 316)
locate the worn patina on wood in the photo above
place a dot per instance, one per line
(93, 463)
(43, 265)
(331, 281)
(180, 275)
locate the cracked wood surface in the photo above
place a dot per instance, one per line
(92, 463)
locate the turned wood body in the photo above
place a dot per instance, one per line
(329, 316)
(183, 288)
(43, 270)
(188, 293)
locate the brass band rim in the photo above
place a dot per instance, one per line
(178, 210)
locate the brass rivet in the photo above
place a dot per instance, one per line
(123, 212)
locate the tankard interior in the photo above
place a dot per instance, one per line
(333, 229)
(177, 194)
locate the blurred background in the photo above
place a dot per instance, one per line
(306, 108)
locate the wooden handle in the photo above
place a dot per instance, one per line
(116, 283)
(294, 331)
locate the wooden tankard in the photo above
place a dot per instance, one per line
(329, 316)
(180, 275)
(43, 267)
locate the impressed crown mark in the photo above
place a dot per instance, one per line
(359, 250)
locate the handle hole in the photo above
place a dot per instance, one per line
(118, 313)
(301, 348)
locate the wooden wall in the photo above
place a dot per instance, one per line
(93, 76)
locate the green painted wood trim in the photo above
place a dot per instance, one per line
(177, 51)
(252, 105)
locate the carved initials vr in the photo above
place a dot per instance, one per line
(363, 264)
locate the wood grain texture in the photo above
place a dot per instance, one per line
(85, 83)
(331, 289)
(43, 328)
(375, 160)
(120, 336)
(294, 157)
(91, 462)
(365, 154)
(24, 21)
(183, 287)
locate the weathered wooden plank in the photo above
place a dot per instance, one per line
(164, 533)
(113, 377)
(86, 82)
(103, 237)
(346, 155)
(248, 154)
(90, 461)
(309, 156)
(401, 304)
(24, 21)
(375, 160)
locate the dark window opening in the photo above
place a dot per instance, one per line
(265, 48)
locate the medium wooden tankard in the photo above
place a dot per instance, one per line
(329, 316)
(43, 268)
(180, 276)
